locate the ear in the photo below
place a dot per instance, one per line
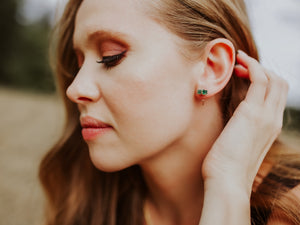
(218, 62)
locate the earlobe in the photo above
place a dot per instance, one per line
(219, 60)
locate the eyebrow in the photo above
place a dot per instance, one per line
(104, 35)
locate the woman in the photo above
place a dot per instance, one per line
(166, 124)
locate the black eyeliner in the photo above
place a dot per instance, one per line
(109, 59)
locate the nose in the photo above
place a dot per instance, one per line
(84, 88)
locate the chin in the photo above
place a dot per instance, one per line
(108, 162)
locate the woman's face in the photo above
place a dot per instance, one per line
(146, 95)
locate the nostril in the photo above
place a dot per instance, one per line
(84, 99)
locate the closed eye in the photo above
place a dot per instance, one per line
(111, 61)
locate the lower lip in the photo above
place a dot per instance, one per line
(93, 133)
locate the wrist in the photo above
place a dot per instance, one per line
(230, 202)
(229, 188)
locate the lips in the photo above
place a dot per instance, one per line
(93, 128)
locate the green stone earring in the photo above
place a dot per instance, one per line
(202, 92)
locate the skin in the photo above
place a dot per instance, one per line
(147, 116)
(160, 122)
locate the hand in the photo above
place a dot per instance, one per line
(243, 144)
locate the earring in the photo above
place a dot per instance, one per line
(202, 92)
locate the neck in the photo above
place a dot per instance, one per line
(175, 188)
(174, 175)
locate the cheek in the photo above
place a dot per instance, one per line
(152, 106)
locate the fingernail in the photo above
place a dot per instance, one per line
(242, 52)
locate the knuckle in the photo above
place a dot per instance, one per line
(273, 76)
(263, 81)
(278, 81)
(286, 85)
(283, 84)
(254, 61)
(263, 117)
(281, 80)
(254, 64)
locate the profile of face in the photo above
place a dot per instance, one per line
(135, 88)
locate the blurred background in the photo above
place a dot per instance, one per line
(31, 114)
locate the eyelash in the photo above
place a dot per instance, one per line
(111, 61)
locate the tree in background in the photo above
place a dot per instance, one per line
(24, 50)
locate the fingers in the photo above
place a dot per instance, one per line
(259, 80)
(241, 71)
(277, 93)
(266, 87)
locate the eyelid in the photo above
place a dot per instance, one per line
(110, 58)
(110, 47)
(110, 38)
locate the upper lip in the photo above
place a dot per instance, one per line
(90, 122)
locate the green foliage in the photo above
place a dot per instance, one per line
(24, 51)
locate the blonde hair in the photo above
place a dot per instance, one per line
(80, 194)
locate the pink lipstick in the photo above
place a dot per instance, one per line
(93, 128)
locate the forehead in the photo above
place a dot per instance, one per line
(89, 9)
(109, 17)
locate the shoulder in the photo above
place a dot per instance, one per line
(277, 218)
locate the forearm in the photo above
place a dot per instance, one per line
(225, 206)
